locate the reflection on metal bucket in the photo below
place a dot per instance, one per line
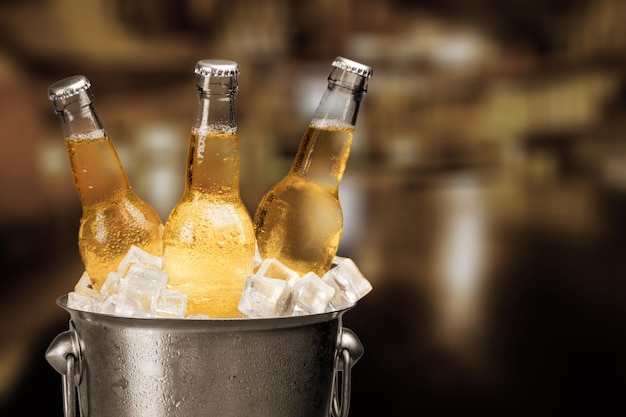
(126, 367)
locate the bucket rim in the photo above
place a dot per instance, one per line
(279, 321)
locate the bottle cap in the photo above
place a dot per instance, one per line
(217, 68)
(217, 73)
(352, 66)
(70, 89)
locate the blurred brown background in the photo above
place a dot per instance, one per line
(485, 196)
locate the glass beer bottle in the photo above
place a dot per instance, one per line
(114, 218)
(208, 248)
(299, 221)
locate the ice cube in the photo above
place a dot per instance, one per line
(110, 285)
(125, 308)
(136, 255)
(139, 291)
(108, 304)
(312, 295)
(133, 290)
(266, 297)
(171, 304)
(337, 260)
(142, 275)
(273, 268)
(349, 283)
(83, 301)
(132, 302)
(85, 286)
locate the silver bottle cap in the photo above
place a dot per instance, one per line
(220, 73)
(68, 90)
(217, 68)
(352, 66)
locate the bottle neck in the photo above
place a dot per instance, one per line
(325, 146)
(339, 104)
(79, 119)
(215, 111)
(96, 168)
(213, 155)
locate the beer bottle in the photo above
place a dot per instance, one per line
(300, 221)
(208, 248)
(114, 218)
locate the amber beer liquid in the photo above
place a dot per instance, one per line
(114, 218)
(303, 209)
(299, 221)
(209, 238)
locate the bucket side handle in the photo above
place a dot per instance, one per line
(349, 352)
(62, 355)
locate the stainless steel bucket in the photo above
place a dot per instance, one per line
(127, 367)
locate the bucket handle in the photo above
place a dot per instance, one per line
(349, 352)
(62, 354)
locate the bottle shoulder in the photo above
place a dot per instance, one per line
(125, 202)
(201, 206)
(295, 182)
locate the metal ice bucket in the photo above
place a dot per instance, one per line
(127, 367)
